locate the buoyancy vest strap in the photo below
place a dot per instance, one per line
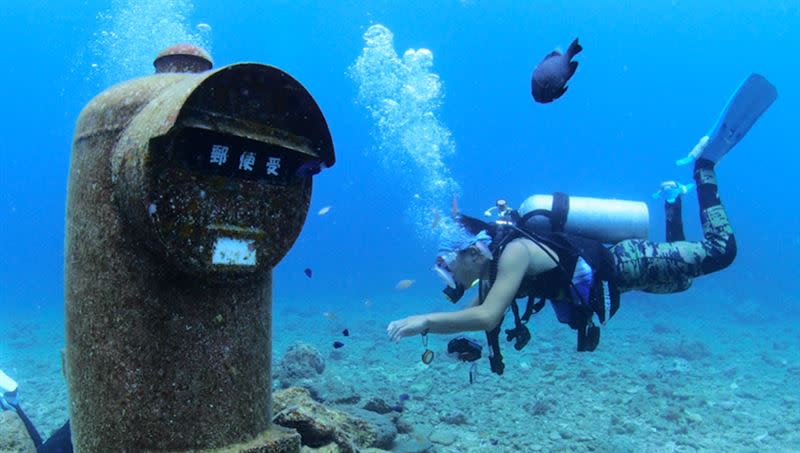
(492, 336)
(532, 308)
(520, 334)
(536, 212)
(495, 357)
(557, 214)
(515, 310)
(560, 209)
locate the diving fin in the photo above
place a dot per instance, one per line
(745, 107)
(8, 389)
(671, 190)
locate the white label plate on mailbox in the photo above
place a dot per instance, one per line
(234, 252)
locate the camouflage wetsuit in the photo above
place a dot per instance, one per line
(668, 267)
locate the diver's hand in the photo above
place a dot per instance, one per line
(407, 327)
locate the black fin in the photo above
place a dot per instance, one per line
(554, 53)
(574, 49)
(573, 66)
(474, 226)
(561, 93)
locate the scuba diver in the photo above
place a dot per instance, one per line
(59, 442)
(514, 257)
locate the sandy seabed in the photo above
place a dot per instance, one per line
(659, 382)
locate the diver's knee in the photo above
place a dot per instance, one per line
(683, 285)
(722, 259)
(729, 254)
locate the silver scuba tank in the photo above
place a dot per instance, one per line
(605, 220)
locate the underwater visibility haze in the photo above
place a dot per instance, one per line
(435, 110)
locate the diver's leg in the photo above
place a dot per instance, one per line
(719, 244)
(60, 441)
(35, 437)
(669, 266)
(674, 219)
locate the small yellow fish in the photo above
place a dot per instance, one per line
(404, 284)
(329, 315)
(324, 210)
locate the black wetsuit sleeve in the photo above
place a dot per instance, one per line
(59, 442)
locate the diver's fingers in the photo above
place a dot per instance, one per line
(392, 329)
(397, 331)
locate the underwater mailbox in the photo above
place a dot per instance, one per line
(220, 156)
(185, 189)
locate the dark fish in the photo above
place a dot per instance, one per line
(310, 168)
(308, 272)
(397, 408)
(337, 344)
(549, 79)
(346, 332)
(404, 397)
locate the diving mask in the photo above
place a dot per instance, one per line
(453, 290)
(442, 269)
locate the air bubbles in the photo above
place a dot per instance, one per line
(133, 32)
(403, 95)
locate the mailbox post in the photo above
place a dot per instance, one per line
(185, 190)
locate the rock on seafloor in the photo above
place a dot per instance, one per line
(13, 435)
(349, 428)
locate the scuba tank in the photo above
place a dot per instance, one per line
(606, 220)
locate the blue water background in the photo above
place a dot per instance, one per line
(653, 78)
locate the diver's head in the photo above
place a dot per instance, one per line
(468, 263)
(461, 261)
